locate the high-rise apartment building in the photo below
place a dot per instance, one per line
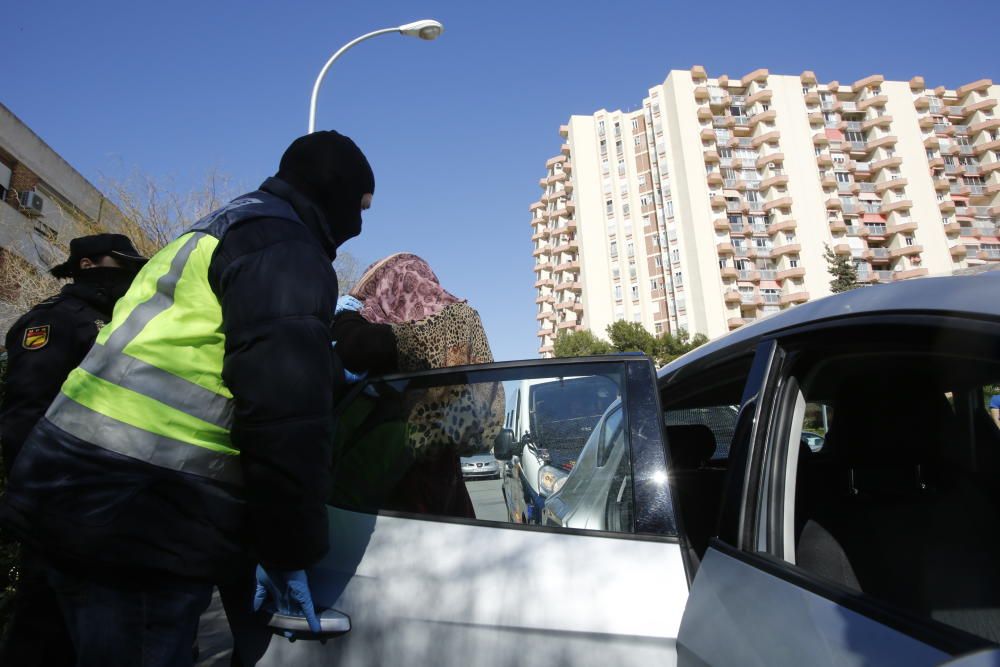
(713, 204)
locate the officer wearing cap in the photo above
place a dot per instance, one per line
(43, 346)
(52, 338)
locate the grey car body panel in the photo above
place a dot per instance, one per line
(740, 615)
(422, 592)
(971, 296)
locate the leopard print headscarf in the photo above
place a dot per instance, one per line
(401, 288)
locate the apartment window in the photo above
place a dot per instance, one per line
(843, 177)
(638, 140)
(818, 150)
(855, 136)
(635, 123)
(908, 240)
(614, 248)
(789, 237)
(604, 166)
(793, 262)
(657, 261)
(725, 152)
(609, 206)
(630, 248)
(620, 312)
(632, 271)
(618, 129)
(635, 292)
(678, 278)
(675, 255)
(838, 158)
(654, 284)
(625, 210)
(618, 292)
(670, 209)
(600, 129)
(618, 146)
(616, 273)
(604, 146)
(645, 221)
(621, 167)
(659, 327)
(642, 179)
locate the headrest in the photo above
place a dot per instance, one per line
(691, 445)
(882, 425)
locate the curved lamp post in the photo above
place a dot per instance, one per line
(426, 29)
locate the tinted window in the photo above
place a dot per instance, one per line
(720, 419)
(427, 445)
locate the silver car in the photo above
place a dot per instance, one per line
(733, 543)
(480, 465)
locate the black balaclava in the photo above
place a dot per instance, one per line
(332, 172)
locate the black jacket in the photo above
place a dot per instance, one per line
(276, 285)
(43, 346)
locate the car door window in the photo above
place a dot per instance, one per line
(434, 445)
(895, 500)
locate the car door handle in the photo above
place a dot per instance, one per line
(331, 622)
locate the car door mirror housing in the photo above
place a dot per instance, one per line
(503, 445)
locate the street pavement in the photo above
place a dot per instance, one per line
(215, 642)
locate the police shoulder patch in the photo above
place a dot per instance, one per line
(35, 338)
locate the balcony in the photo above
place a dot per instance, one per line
(897, 182)
(544, 282)
(763, 117)
(958, 251)
(884, 276)
(906, 251)
(732, 297)
(758, 252)
(711, 155)
(793, 272)
(898, 205)
(971, 232)
(721, 224)
(876, 229)
(780, 203)
(774, 157)
(874, 101)
(901, 228)
(777, 179)
(737, 322)
(787, 249)
(838, 225)
(952, 228)
(842, 249)
(880, 254)
(766, 138)
(878, 121)
(786, 225)
(989, 254)
(911, 273)
(794, 297)
(714, 178)
(749, 276)
(725, 248)
(833, 204)
(729, 273)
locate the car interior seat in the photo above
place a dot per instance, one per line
(697, 484)
(899, 524)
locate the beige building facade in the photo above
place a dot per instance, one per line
(713, 205)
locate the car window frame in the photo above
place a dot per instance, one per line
(640, 421)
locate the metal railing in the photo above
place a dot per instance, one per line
(867, 187)
(862, 166)
(876, 228)
(768, 274)
(845, 187)
(747, 275)
(854, 230)
(940, 128)
(880, 253)
(884, 276)
(755, 205)
(771, 297)
(977, 189)
(758, 228)
(854, 126)
(857, 145)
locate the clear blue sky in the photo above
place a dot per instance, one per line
(457, 130)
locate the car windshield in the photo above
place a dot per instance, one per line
(563, 414)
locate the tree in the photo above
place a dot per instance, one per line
(628, 337)
(840, 267)
(579, 344)
(631, 337)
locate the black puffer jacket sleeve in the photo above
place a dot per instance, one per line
(278, 292)
(363, 346)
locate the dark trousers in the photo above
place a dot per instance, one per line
(141, 621)
(37, 635)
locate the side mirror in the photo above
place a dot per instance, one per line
(503, 445)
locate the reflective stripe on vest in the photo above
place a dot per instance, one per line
(126, 405)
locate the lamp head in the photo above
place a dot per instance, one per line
(425, 29)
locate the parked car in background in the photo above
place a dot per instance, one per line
(479, 465)
(734, 542)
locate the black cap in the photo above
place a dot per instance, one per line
(118, 246)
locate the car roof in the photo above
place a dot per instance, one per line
(976, 296)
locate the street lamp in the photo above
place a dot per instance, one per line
(426, 29)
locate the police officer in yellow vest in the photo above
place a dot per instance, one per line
(195, 436)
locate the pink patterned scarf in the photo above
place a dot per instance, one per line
(399, 289)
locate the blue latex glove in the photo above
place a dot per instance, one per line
(347, 302)
(288, 592)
